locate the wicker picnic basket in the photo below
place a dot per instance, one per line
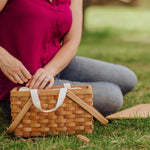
(75, 115)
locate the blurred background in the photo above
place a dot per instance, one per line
(118, 31)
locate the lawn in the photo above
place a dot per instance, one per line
(118, 35)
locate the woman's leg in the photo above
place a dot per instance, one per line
(107, 97)
(109, 81)
(89, 70)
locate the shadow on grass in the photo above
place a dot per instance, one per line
(4, 122)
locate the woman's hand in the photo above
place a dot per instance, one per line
(41, 80)
(13, 68)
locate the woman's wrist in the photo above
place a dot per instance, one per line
(50, 70)
(2, 55)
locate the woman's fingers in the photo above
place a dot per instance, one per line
(35, 78)
(49, 86)
(40, 79)
(46, 80)
(25, 73)
(27, 84)
(22, 77)
(18, 79)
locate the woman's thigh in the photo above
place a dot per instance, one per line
(89, 70)
(107, 97)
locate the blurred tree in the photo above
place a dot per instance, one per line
(110, 2)
(87, 3)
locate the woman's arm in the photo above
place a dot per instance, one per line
(65, 54)
(12, 67)
(2, 4)
(70, 43)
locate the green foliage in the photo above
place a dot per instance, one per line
(117, 35)
(144, 4)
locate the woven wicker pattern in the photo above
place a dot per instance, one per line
(70, 118)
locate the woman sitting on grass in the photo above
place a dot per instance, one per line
(38, 44)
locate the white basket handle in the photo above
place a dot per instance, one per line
(37, 104)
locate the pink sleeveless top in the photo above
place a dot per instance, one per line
(31, 30)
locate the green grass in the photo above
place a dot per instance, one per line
(118, 35)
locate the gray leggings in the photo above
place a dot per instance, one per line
(109, 81)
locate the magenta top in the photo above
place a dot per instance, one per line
(31, 30)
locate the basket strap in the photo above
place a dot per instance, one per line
(88, 108)
(19, 117)
(36, 100)
(61, 97)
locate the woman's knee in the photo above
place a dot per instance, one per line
(129, 80)
(108, 99)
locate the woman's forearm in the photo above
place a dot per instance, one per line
(2, 4)
(62, 58)
(3, 54)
